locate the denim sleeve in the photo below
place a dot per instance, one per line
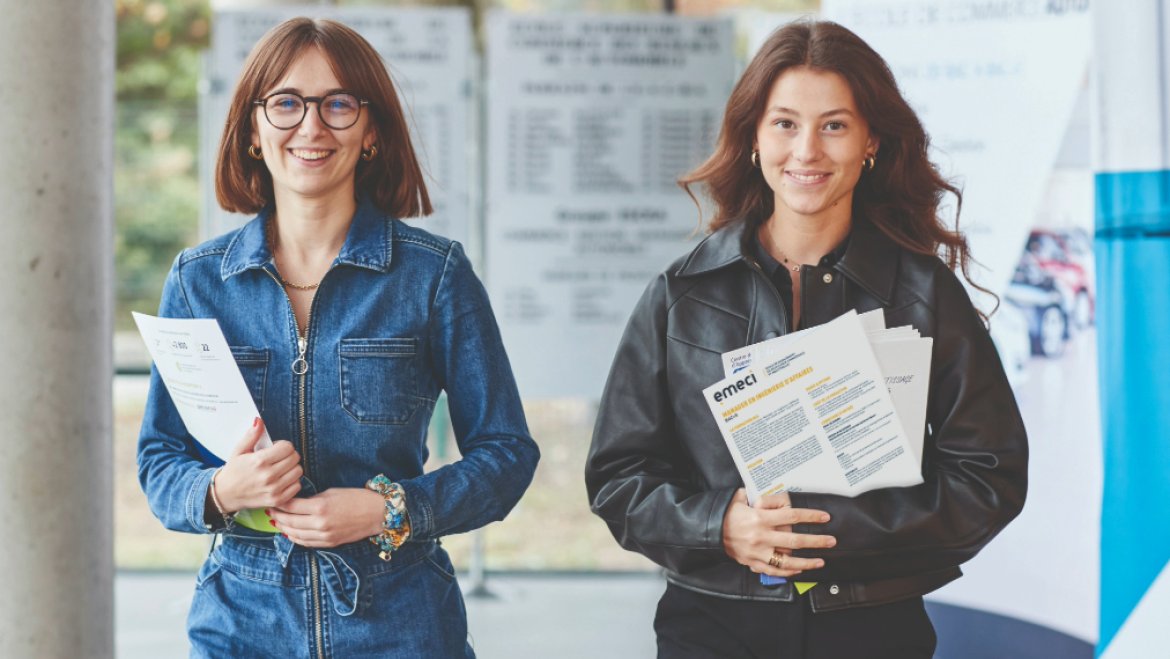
(170, 471)
(498, 454)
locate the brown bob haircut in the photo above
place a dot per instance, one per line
(393, 180)
(900, 195)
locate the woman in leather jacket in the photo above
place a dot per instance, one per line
(347, 324)
(825, 201)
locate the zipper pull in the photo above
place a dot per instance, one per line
(300, 366)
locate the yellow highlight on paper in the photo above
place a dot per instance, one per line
(803, 587)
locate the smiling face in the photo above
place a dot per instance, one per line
(311, 161)
(812, 141)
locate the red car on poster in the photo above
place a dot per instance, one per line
(1037, 295)
(1066, 255)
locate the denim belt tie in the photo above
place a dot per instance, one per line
(341, 580)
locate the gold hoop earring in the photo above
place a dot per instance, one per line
(869, 163)
(755, 159)
(255, 152)
(368, 155)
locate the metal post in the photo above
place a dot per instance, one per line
(440, 428)
(477, 570)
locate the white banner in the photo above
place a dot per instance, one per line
(994, 84)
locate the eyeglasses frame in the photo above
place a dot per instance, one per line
(305, 100)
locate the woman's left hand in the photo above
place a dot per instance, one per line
(331, 518)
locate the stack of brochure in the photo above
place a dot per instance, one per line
(837, 409)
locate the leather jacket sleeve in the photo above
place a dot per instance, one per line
(974, 464)
(638, 479)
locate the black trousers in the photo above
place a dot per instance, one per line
(692, 625)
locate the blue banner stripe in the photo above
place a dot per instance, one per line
(1133, 319)
(1137, 202)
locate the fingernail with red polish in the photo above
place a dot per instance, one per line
(284, 535)
(272, 522)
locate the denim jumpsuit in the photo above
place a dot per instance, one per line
(399, 317)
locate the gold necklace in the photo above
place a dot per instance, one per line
(795, 267)
(765, 239)
(299, 287)
(284, 282)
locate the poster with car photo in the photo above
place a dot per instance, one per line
(1045, 330)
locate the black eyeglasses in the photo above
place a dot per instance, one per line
(287, 110)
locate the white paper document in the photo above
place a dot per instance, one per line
(809, 412)
(905, 365)
(903, 358)
(196, 365)
(737, 360)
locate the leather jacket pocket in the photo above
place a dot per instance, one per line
(378, 379)
(253, 364)
(709, 328)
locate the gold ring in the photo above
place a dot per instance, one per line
(777, 560)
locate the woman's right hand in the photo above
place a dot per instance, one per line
(751, 535)
(263, 478)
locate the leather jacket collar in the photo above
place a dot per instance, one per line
(870, 259)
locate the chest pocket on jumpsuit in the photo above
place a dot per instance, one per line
(379, 379)
(253, 363)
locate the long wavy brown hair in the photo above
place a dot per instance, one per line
(393, 180)
(901, 195)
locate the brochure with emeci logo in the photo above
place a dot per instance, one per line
(811, 412)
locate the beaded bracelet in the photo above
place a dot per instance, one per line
(228, 519)
(396, 523)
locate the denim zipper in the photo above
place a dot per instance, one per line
(300, 368)
(314, 578)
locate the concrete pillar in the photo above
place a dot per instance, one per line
(56, 232)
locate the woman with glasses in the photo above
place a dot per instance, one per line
(346, 324)
(825, 201)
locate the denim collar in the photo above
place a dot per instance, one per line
(368, 244)
(870, 259)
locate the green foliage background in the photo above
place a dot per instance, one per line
(156, 185)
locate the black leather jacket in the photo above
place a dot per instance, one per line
(661, 477)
